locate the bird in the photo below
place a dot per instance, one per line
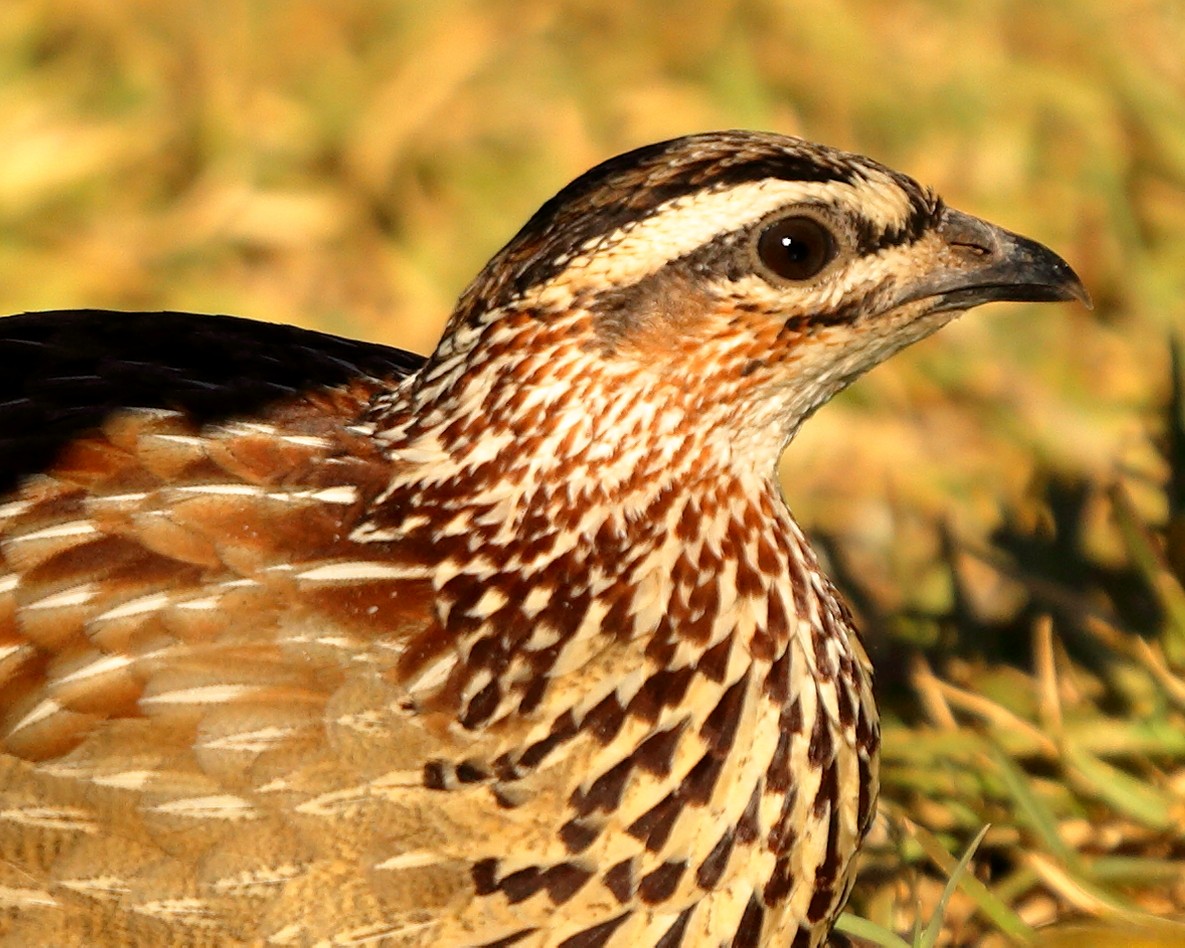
(312, 641)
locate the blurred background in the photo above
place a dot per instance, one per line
(1001, 501)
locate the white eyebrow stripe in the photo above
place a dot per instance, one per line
(639, 249)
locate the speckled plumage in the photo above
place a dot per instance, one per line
(304, 642)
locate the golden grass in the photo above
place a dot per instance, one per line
(351, 165)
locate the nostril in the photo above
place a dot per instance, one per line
(978, 250)
(969, 234)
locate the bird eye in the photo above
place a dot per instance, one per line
(796, 248)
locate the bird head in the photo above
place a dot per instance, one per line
(743, 276)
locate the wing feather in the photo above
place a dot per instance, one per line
(179, 605)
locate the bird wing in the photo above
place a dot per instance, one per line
(65, 373)
(182, 619)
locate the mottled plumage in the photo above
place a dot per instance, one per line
(308, 641)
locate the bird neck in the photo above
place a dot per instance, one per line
(535, 402)
(553, 514)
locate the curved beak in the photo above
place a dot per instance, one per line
(983, 263)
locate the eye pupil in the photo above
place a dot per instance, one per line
(796, 248)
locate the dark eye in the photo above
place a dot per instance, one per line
(796, 248)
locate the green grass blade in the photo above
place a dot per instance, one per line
(1127, 794)
(987, 901)
(858, 927)
(1040, 818)
(930, 936)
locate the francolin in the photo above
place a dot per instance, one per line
(309, 641)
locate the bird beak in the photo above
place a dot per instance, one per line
(983, 263)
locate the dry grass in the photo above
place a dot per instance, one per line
(350, 165)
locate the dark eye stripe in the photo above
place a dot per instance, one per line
(924, 214)
(727, 257)
(841, 314)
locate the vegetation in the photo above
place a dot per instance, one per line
(1005, 503)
